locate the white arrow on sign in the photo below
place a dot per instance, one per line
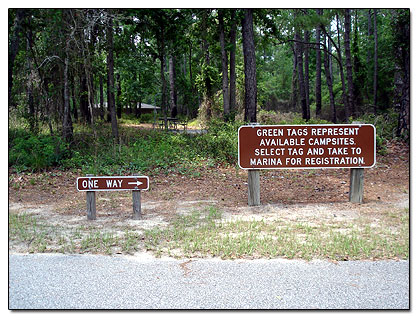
(137, 183)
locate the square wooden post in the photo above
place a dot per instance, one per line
(356, 185)
(356, 182)
(91, 203)
(136, 203)
(254, 188)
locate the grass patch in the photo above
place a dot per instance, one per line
(199, 235)
(40, 237)
(205, 234)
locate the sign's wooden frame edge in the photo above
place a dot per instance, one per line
(77, 180)
(309, 168)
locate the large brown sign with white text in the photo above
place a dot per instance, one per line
(307, 146)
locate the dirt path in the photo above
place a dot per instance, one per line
(312, 196)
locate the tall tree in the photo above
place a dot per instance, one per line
(14, 46)
(73, 94)
(318, 94)
(250, 67)
(401, 47)
(118, 101)
(161, 46)
(101, 96)
(67, 122)
(339, 60)
(83, 98)
(232, 62)
(328, 78)
(375, 63)
(306, 53)
(111, 83)
(357, 65)
(301, 78)
(349, 65)
(340, 63)
(172, 90)
(206, 66)
(294, 84)
(29, 86)
(225, 80)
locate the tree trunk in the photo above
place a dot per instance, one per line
(330, 61)
(299, 60)
(232, 58)
(108, 112)
(349, 65)
(318, 94)
(67, 123)
(369, 60)
(306, 52)
(29, 83)
(138, 99)
(163, 80)
(101, 96)
(225, 81)
(370, 34)
(375, 64)
(250, 67)
(329, 84)
(73, 94)
(343, 82)
(119, 104)
(110, 62)
(207, 81)
(14, 47)
(294, 87)
(84, 105)
(172, 90)
(191, 76)
(358, 78)
(87, 70)
(401, 28)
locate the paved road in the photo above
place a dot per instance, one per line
(55, 281)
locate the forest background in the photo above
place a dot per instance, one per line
(77, 78)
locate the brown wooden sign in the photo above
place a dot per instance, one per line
(307, 146)
(112, 183)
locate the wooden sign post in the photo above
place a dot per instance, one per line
(356, 185)
(91, 184)
(91, 202)
(306, 147)
(356, 181)
(254, 188)
(136, 203)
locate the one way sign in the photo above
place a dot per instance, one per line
(112, 183)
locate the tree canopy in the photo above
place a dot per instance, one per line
(85, 65)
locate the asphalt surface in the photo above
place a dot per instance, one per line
(56, 281)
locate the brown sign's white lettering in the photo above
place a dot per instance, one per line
(307, 146)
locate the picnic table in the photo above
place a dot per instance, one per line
(172, 123)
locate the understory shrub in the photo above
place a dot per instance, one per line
(35, 152)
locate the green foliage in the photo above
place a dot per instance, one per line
(35, 152)
(276, 118)
(142, 151)
(221, 141)
(146, 118)
(209, 74)
(386, 126)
